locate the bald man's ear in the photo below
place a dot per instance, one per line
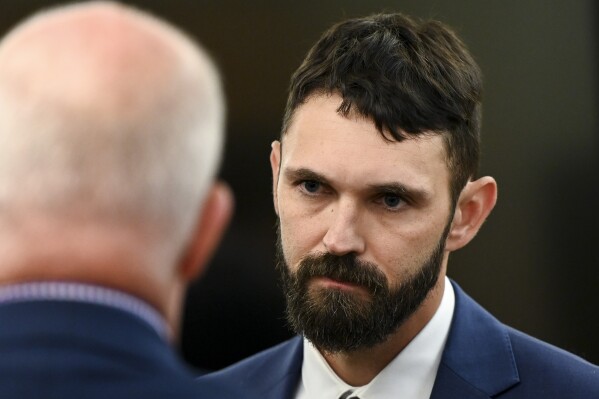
(214, 218)
(475, 203)
(275, 165)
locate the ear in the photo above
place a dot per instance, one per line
(475, 203)
(275, 164)
(214, 218)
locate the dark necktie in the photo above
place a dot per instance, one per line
(346, 394)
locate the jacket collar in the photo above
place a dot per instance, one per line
(273, 373)
(478, 361)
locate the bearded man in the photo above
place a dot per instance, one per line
(375, 184)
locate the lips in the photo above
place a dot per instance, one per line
(331, 283)
(340, 273)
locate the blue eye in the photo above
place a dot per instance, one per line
(391, 201)
(311, 186)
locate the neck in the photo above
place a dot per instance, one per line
(114, 260)
(358, 368)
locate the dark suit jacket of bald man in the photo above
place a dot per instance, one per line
(482, 359)
(64, 350)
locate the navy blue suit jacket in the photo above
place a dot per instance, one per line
(61, 349)
(482, 359)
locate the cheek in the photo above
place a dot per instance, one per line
(300, 236)
(401, 252)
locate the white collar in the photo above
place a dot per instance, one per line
(411, 374)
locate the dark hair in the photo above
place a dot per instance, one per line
(410, 77)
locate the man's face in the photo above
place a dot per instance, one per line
(363, 223)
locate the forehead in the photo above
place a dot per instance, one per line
(351, 149)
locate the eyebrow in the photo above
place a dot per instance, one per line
(304, 174)
(401, 189)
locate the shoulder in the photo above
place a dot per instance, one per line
(261, 372)
(556, 372)
(262, 362)
(499, 360)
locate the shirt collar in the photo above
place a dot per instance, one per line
(411, 374)
(86, 293)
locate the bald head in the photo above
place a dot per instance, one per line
(106, 114)
(110, 126)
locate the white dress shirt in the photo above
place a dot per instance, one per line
(410, 375)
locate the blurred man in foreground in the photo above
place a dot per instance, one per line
(375, 184)
(111, 127)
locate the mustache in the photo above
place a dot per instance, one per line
(347, 268)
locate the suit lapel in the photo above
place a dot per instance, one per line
(283, 368)
(451, 385)
(478, 360)
(290, 372)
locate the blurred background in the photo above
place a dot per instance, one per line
(534, 265)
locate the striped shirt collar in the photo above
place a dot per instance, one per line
(85, 293)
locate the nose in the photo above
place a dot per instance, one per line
(343, 235)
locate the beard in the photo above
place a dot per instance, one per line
(336, 320)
